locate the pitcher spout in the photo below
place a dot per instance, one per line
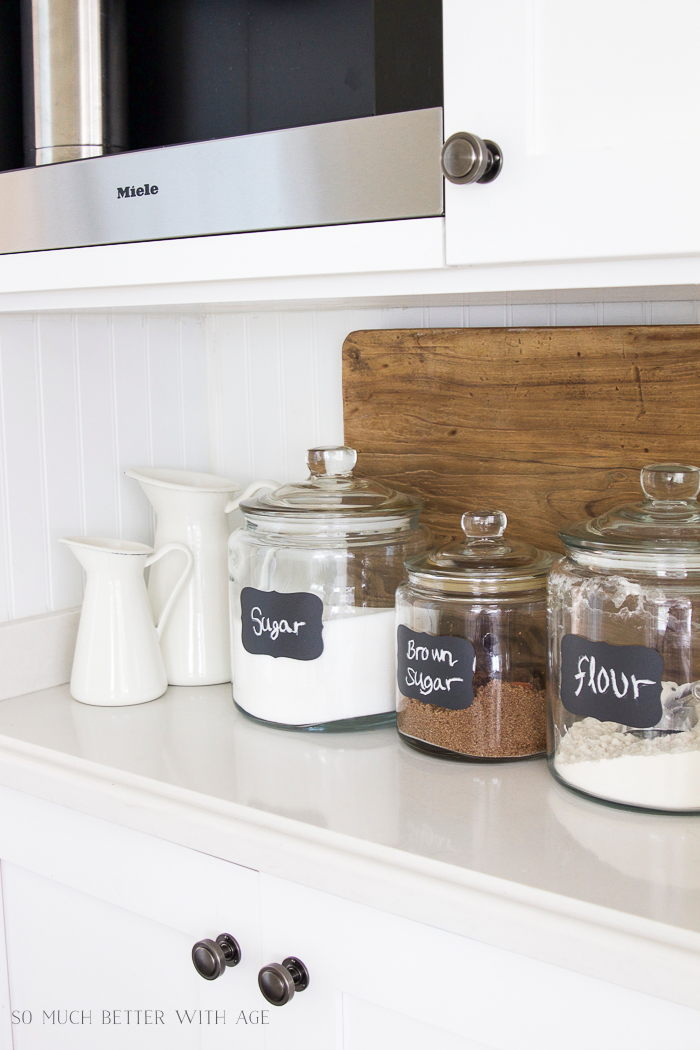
(87, 548)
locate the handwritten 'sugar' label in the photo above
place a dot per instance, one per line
(277, 624)
(437, 670)
(613, 683)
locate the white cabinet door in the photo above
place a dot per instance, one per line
(595, 107)
(378, 982)
(100, 923)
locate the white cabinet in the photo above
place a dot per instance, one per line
(595, 109)
(100, 922)
(379, 981)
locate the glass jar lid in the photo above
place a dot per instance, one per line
(667, 522)
(332, 491)
(484, 562)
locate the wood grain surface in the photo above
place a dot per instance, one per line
(550, 425)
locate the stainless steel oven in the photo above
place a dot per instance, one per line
(148, 119)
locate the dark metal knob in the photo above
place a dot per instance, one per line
(467, 158)
(279, 983)
(211, 958)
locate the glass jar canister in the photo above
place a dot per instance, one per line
(313, 576)
(624, 625)
(472, 645)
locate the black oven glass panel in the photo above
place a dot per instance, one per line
(203, 69)
(209, 69)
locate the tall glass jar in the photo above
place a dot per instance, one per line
(624, 625)
(313, 576)
(472, 645)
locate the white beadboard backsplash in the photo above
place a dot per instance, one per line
(84, 396)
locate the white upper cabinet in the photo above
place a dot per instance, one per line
(595, 108)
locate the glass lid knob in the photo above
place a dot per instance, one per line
(331, 460)
(670, 481)
(484, 524)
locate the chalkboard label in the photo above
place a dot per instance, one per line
(613, 683)
(275, 624)
(436, 670)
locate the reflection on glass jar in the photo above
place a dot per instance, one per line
(624, 621)
(471, 642)
(313, 575)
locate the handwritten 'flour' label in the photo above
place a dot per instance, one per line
(436, 670)
(275, 624)
(613, 683)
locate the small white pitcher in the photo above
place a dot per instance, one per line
(191, 508)
(117, 659)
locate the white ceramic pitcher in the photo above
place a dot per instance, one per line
(191, 508)
(117, 658)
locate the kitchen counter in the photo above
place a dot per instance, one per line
(494, 851)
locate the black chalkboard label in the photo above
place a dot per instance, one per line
(275, 624)
(436, 670)
(613, 683)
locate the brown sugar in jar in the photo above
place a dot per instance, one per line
(472, 646)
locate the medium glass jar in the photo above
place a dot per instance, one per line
(624, 625)
(313, 576)
(472, 645)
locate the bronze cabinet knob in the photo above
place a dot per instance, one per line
(211, 958)
(278, 982)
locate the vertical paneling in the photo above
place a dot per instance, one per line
(675, 313)
(266, 393)
(192, 353)
(84, 396)
(579, 314)
(98, 425)
(23, 469)
(229, 384)
(301, 379)
(165, 390)
(133, 416)
(62, 454)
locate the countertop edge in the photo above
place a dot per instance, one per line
(635, 952)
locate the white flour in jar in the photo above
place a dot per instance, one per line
(354, 676)
(658, 773)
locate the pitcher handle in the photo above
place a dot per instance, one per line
(255, 486)
(180, 583)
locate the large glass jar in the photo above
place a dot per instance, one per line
(313, 576)
(472, 645)
(624, 624)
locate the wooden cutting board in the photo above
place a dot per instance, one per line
(550, 425)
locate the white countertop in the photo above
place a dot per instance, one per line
(496, 851)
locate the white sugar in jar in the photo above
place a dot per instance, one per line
(313, 575)
(354, 677)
